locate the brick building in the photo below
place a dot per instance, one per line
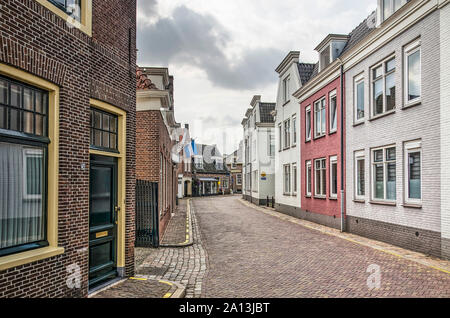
(67, 146)
(234, 165)
(156, 136)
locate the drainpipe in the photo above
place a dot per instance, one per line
(342, 150)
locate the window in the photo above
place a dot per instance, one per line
(287, 133)
(333, 112)
(333, 177)
(320, 180)
(23, 166)
(225, 183)
(294, 130)
(254, 150)
(198, 162)
(219, 164)
(280, 134)
(384, 174)
(70, 7)
(238, 179)
(413, 172)
(383, 87)
(234, 163)
(359, 98)
(294, 179)
(325, 58)
(413, 73)
(287, 179)
(308, 123)
(390, 6)
(320, 118)
(286, 89)
(103, 130)
(271, 143)
(360, 188)
(308, 178)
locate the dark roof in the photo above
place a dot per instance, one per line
(358, 34)
(264, 110)
(305, 70)
(210, 167)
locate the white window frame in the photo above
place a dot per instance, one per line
(27, 153)
(308, 110)
(385, 172)
(359, 155)
(392, 10)
(239, 179)
(286, 89)
(410, 49)
(382, 77)
(280, 133)
(328, 47)
(333, 160)
(270, 143)
(287, 133)
(255, 182)
(331, 95)
(322, 107)
(412, 147)
(294, 130)
(308, 178)
(198, 162)
(358, 80)
(294, 179)
(323, 175)
(287, 184)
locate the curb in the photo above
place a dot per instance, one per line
(180, 291)
(189, 237)
(393, 250)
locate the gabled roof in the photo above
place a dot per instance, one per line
(264, 110)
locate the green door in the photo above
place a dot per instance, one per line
(102, 219)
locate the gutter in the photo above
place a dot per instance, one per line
(342, 150)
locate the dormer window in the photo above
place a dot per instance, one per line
(219, 164)
(198, 161)
(325, 57)
(389, 7)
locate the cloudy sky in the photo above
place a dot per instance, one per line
(221, 53)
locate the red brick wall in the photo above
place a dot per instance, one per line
(324, 147)
(34, 39)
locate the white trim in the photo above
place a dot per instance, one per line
(294, 179)
(323, 174)
(407, 51)
(308, 179)
(294, 129)
(330, 96)
(319, 101)
(412, 147)
(31, 152)
(359, 155)
(382, 77)
(308, 109)
(358, 79)
(384, 162)
(333, 160)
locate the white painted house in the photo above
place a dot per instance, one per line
(259, 152)
(287, 125)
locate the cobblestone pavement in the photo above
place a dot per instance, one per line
(186, 265)
(176, 229)
(252, 254)
(131, 288)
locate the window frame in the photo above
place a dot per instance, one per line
(323, 176)
(358, 156)
(287, 133)
(385, 163)
(26, 153)
(322, 108)
(287, 182)
(413, 47)
(239, 177)
(294, 129)
(382, 77)
(294, 186)
(331, 95)
(280, 133)
(412, 147)
(391, 8)
(356, 82)
(308, 122)
(286, 89)
(333, 160)
(111, 133)
(308, 178)
(271, 143)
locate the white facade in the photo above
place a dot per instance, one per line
(287, 152)
(259, 153)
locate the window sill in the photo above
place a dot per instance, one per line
(359, 201)
(383, 203)
(306, 141)
(287, 194)
(294, 145)
(333, 198)
(358, 123)
(308, 196)
(294, 195)
(318, 137)
(332, 132)
(18, 259)
(412, 205)
(412, 104)
(382, 115)
(321, 197)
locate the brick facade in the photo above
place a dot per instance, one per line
(37, 41)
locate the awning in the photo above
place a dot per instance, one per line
(208, 179)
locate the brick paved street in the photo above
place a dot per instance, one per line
(252, 254)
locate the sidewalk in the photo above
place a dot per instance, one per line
(432, 262)
(179, 230)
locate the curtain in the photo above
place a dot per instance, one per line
(21, 195)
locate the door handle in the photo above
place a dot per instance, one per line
(117, 210)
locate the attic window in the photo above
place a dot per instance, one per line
(325, 57)
(391, 6)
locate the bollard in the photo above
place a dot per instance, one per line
(267, 201)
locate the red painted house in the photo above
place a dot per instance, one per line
(321, 134)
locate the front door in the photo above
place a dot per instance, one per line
(102, 219)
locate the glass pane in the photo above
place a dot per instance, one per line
(334, 178)
(317, 126)
(28, 122)
(414, 175)
(377, 72)
(15, 95)
(308, 125)
(2, 117)
(21, 195)
(101, 196)
(44, 104)
(390, 92)
(414, 76)
(361, 176)
(113, 123)
(324, 121)
(390, 153)
(324, 182)
(324, 164)
(360, 100)
(391, 182)
(97, 120)
(14, 117)
(3, 92)
(40, 125)
(28, 99)
(112, 141)
(97, 138)
(105, 140)
(397, 4)
(378, 155)
(386, 9)
(390, 65)
(317, 182)
(309, 180)
(38, 99)
(105, 122)
(333, 113)
(378, 97)
(379, 181)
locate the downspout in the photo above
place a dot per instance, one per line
(342, 151)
